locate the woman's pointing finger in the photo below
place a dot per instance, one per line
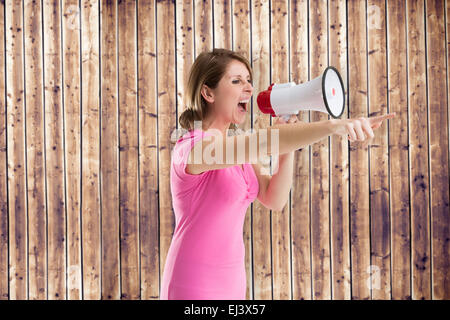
(382, 117)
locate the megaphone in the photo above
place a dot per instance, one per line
(324, 93)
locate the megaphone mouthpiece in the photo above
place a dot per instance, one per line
(263, 101)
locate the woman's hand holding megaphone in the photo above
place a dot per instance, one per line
(359, 129)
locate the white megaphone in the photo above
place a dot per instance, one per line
(324, 93)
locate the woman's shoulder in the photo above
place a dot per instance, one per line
(185, 144)
(185, 135)
(187, 139)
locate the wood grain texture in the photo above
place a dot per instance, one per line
(300, 200)
(109, 144)
(128, 152)
(15, 132)
(447, 26)
(438, 141)
(148, 155)
(222, 24)
(320, 184)
(380, 258)
(359, 160)
(71, 47)
(4, 252)
(339, 172)
(37, 235)
(418, 140)
(90, 151)
(92, 92)
(54, 152)
(261, 219)
(166, 116)
(398, 152)
(203, 37)
(281, 247)
(241, 34)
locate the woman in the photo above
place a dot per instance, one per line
(206, 256)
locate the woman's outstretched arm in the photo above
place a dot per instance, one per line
(218, 151)
(288, 137)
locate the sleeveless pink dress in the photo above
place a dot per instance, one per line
(206, 258)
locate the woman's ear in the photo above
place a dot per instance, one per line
(207, 94)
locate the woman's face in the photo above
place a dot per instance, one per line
(234, 87)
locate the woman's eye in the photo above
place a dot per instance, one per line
(249, 81)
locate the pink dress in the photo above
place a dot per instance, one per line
(206, 258)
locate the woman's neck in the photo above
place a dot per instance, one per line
(215, 126)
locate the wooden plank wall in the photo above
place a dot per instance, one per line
(91, 92)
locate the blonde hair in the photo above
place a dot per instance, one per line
(208, 68)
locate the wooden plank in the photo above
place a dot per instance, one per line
(359, 179)
(262, 266)
(438, 140)
(222, 24)
(300, 205)
(185, 50)
(72, 111)
(447, 31)
(241, 41)
(17, 233)
(379, 157)
(340, 236)
(54, 153)
(109, 135)
(417, 97)
(4, 291)
(399, 182)
(37, 227)
(203, 26)
(447, 17)
(281, 284)
(129, 153)
(398, 153)
(415, 36)
(148, 161)
(90, 154)
(320, 219)
(166, 119)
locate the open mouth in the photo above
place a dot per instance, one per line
(242, 106)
